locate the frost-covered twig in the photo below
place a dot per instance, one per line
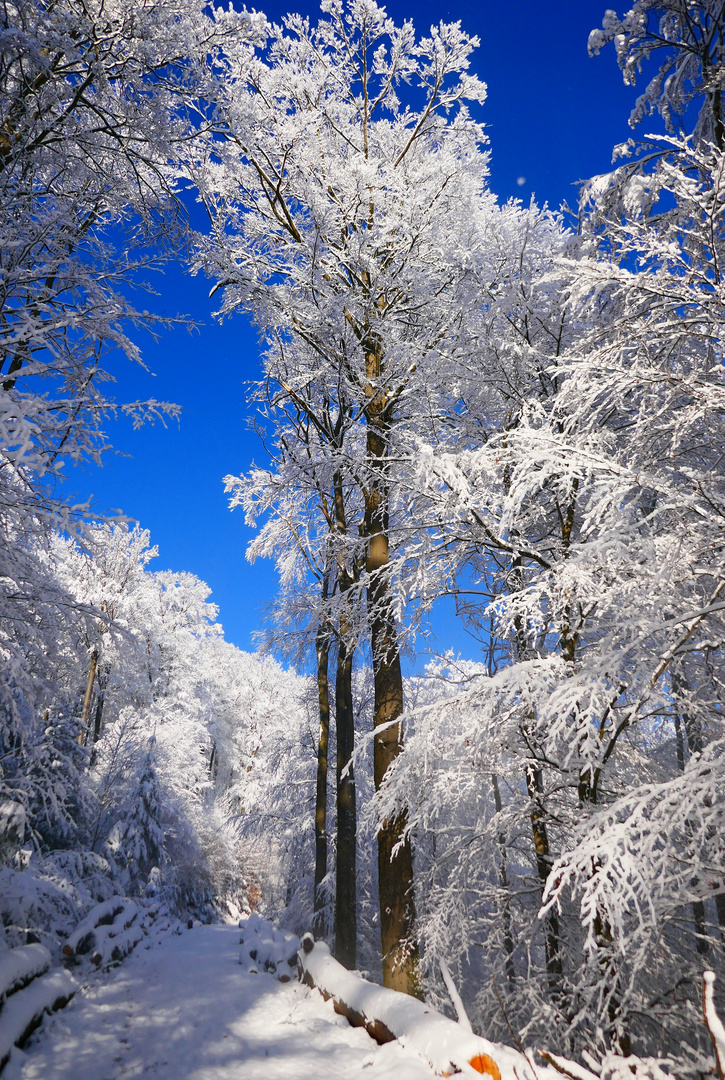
(455, 996)
(713, 1023)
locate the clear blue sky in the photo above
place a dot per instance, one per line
(553, 116)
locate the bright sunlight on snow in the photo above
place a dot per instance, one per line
(186, 1009)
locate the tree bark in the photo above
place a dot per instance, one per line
(346, 866)
(102, 681)
(395, 857)
(695, 742)
(534, 788)
(508, 940)
(322, 647)
(83, 732)
(346, 869)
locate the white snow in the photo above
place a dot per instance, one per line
(109, 909)
(19, 966)
(442, 1042)
(20, 1010)
(185, 1009)
(267, 948)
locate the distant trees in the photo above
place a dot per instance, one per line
(184, 791)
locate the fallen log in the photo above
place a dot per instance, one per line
(23, 1011)
(82, 939)
(114, 941)
(387, 1015)
(115, 946)
(453, 1048)
(20, 966)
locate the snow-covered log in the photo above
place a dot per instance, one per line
(388, 1015)
(113, 941)
(265, 947)
(82, 939)
(20, 966)
(24, 1010)
(115, 944)
(105, 933)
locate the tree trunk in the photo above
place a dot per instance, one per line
(534, 787)
(508, 940)
(346, 871)
(322, 646)
(695, 742)
(395, 871)
(98, 719)
(83, 731)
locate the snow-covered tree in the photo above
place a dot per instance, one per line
(344, 218)
(605, 714)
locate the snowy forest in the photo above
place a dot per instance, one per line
(518, 407)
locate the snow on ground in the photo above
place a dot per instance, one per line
(186, 1010)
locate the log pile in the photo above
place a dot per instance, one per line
(28, 990)
(109, 932)
(265, 947)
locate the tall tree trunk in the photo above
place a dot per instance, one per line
(102, 681)
(346, 870)
(322, 647)
(508, 940)
(346, 866)
(695, 743)
(395, 867)
(83, 730)
(534, 788)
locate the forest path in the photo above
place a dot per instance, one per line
(186, 1010)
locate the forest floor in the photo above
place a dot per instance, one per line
(184, 1009)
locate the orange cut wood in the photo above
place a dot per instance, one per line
(484, 1064)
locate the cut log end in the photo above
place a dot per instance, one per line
(307, 943)
(484, 1064)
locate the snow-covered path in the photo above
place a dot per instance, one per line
(186, 1010)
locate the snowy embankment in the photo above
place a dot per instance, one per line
(27, 992)
(452, 1047)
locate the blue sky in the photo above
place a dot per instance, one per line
(553, 117)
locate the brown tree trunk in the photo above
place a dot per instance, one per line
(695, 743)
(346, 869)
(534, 788)
(508, 940)
(395, 871)
(102, 680)
(83, 731)
(322, 646)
